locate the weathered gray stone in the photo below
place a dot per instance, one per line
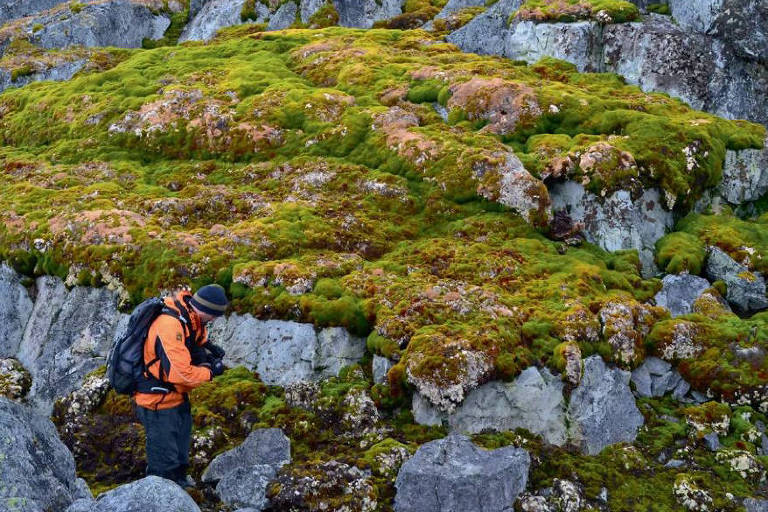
(642, 380)
(216, 14)
(578, 43)
(602, 410)
(618, 221)
(534, 401)
(712, 442)
(337, 349)
(283, 17)
(745, 289)
(755, 505)
(487, 33)
(121, 23)
(453, 6)
(37, 471)
(13, 9)
(745, 175)
(284, 352)
(657, 366)
(15, 310)
(266, 446)
(452, 474)
(740, 23)
(246, 486)
(59, 72)
(363, 13)
(150, 494)
(68, 336)
(525, 194)
(656, 377)
(308, 8)
(679, 292)
(380, 366)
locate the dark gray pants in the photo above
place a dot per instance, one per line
(168, 432)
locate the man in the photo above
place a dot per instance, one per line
(176, 362)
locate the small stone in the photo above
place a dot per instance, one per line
(712, 441)
(674, 463)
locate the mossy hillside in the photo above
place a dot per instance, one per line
(268, 162)
(604, 11)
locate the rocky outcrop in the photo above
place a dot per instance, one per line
(679, 292)
(58, 72)
(13, 9)
(533, 401)
(241, 475)
(745, 290)
(656, 377)
(452, 474)
(602, 410)
(121, 23)
(150, 494)
(15, 311)
(217, 14)
(380, 367)
(68, 335)
(745, 175)
(617, 222)
(754, 505)
(284, 352)
(657, 54)
(37, 470)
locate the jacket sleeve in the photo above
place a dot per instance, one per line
(178, 359)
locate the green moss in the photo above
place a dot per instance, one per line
(659, 8)
(618, 11)
(22, 72)
(680, 252)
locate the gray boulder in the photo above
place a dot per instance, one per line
(656, 377)
(679, 292)
(363, 13)
(577, 43)
(742, 24)
(284, 352)
(121, 23)
(58, 72)
(242, 474)
(453, 6)
(745, 289)
(13, 9)
(216, 14)
(380, 367)
(755, 505)
(745, 175)
(309, 7)
(452, 474)
(283, 17)
(15, 310)
(247, 486)
(618, 221)
(487, 33)
(150, 494)
(602, 410)
(68, 336)
(265, 446)
(534, 401)
(37, 471)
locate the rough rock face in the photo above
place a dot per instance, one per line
(618, 222)
(121, 23)
(12, 9)
(362, 13)
(745, 289)
(283, 17)
(679, 292)
(59, 72)
(150, 494)
(564, 496)
(217, 14)
(533, 401)
(15, 311)
(655, 53)
(380, 366)
(656, 377)
(602, 410)
(523, 193)
(242, 474)
(753, 505)
(745, 175)
(742, 24)
(625, 325)
(68, 336)
(452, 474)
(37, 472)
(284, 352)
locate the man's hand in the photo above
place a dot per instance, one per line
(216, 350)
(217, 368)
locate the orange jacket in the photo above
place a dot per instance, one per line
(170, 359)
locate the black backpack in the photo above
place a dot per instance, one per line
(125, 361)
